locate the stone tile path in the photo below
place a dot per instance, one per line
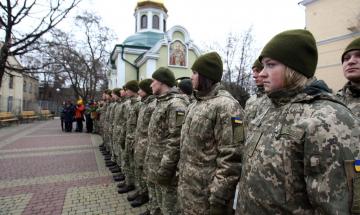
(46, 171)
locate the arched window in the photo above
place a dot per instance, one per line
(164, 21)
(143, 22)
(155, 22)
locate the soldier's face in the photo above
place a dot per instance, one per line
(258, 80)
(142, 93)
(114, 97)
(156, 87)
(273, 75)
(195, 80)
(130, 93)
(122, 93)
(351, 66)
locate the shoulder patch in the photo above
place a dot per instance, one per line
(236, 120)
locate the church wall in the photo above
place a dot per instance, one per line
(142, 73)
(178, 36)
(163, 61)
(130, 71)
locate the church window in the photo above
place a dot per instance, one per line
(155, 22)
(143, 21)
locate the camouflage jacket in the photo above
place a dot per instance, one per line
(123, 112)
(102, 111)
(254, 105)
(116, 122)
(112, 117)
(350, 95)
(294, 159)
(132, 116)
(164, 136)
(106, 116)
(141, 139)
(212, 139)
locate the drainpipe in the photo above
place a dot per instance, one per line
(133, 65)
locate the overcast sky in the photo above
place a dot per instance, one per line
(208, 21)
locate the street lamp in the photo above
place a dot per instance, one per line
(57, 100)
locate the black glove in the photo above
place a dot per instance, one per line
(218, 209)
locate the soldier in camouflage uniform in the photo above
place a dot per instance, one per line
(106, 122)
(300, 159)
(185, 87)
(114, 168)
(257, 101)
(132, 87)
(211, 141)
(118, 131)
(106, 97)
(115, 95)
(164, 139)
(141, 141)
(350, 93)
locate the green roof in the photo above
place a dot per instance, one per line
(146, 39)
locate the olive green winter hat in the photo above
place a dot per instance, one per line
(145, 86)
(185, 85)
(295, 49)
(132, 85)
(257, 64)
(210, 66)
(116, 91)
(164, 75)
(354, 45)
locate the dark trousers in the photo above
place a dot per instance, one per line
(89, 125)
(68, 126)
(79, 124)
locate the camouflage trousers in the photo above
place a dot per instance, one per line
(96, 126)
(166, 196)
(153, 205)
(106, 137)
(140, 178)
(128, 164)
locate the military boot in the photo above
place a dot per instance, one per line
(115, 169)
(126, 189)
(140, 200)
(119, 177)
(132, 196)
(110, 164)
(121, 184)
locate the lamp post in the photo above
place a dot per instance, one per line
(57, 100)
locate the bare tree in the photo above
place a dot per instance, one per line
(80, 56)
(16, 16)
(237, 55)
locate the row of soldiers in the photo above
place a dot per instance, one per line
(295, 149)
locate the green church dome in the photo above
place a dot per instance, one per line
(147, 39)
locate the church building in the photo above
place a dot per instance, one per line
(152, 46)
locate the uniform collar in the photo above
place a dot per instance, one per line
(351, 90)
(208, 95)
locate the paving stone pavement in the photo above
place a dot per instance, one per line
(46, 171)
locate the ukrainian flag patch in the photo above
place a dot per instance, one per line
(236, 120)
(357, 165)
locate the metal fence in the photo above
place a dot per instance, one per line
(8, 104)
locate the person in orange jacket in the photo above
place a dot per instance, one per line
(79, 115)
